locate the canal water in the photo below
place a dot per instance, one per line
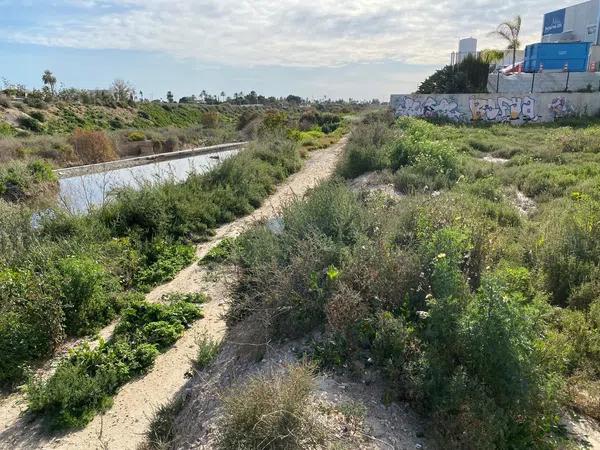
(80, 193)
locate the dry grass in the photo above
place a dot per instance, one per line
(585, 397)
(271, 412)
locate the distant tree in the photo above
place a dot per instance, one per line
(191, 99)
(170, 97)
(141, 96)
(222, 95)
(509, 31)
(469, 76)
(122, 91)
(252, 98)
(293, 99)
(49, 80)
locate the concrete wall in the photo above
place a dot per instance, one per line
(515, 108)
(543, 82)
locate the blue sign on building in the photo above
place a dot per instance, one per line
(554, 22)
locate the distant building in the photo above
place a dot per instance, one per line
(577, 23)
(466, 47)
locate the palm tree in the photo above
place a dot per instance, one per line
(222, 96)
(49, 79)
(490, 55)
(509, 31)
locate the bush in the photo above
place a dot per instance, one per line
(483, 359)
(136, 136)
(85, 382)
(5, 101)
(93, 146)
(271, 412)
(86, 294)
(161, 263)
(31, 323)
(208, 350)
(210, 119)
(220, 252)
(31, 124)
(366, 150)
(570, 249)
(38, 115)
(26, 181)
(35, 100)
(161, 431)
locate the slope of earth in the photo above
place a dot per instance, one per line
(124, 425)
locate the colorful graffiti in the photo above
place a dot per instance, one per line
(560, 107)
(430, 107)
(502, 109)
(515, 109)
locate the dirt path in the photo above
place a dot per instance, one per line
(124, 425)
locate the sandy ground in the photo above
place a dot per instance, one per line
(393, 426)
(124, 425)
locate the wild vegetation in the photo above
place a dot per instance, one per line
(64, 276)
(478, 308)
(48, 123)
(84, 383)
(468, 76)
(271, 411)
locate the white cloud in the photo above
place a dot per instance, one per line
(285, 32)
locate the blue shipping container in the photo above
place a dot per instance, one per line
(554, 56)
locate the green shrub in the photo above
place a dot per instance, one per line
(7, 129)
(161, 263)
(366, 150)
(38, 115)
(31, 323)
(208, 350)
(220, 252)
(136, 136)
(86, 295)
(30, 123)
(569, 247)
(25, 181)
(85, 382)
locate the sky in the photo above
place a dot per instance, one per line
(359, 49)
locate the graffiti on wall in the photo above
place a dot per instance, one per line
(430, 107)
(502, 109)
(561, 107)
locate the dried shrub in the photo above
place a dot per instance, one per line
(271, 412)
(93, 146)
(5, 101)
(210, 119)
(345, 309)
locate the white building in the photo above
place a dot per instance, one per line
(466, 47)
(575, 23)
